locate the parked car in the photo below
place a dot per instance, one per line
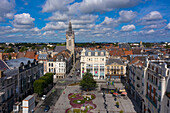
(43, 97)
(47, 108)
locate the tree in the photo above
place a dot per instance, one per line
(39, 86)
(88, 83)
(23, 49)
(9, 50)
(9, 57)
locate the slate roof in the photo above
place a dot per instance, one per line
(111, 61)
(59, 48)
(15, 63)
(43, 56)
(93, 52)
(3, 65)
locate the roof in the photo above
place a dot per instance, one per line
(28, 97)
(128, 52)
(111, 61)
(59, 48)
(15, 63)
(62, 56)
(136, 59)
(42, 56)
(116, 52)
(30, 54)
(3, 65)
(136, 50)
(20, 55)
(93, 52)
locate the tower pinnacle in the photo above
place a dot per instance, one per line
(70, 26)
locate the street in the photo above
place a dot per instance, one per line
(58, 88)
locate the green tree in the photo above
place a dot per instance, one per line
(23, 49)
(9, 57)
(88, 83)
(9, 50)
(39, 86)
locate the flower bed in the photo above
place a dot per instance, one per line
(77, 101)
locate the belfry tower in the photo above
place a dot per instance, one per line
(70, 39)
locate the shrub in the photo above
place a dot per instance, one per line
(117, 103)
(121, 111)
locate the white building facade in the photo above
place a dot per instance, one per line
(94, 61)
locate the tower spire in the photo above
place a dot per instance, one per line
(70, 26)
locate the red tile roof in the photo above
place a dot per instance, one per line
(30, 54)
(128, 52)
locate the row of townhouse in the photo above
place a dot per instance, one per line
(60, 64)
(100, 65)
(149, 84)
(16, 81)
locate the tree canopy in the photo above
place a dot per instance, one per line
(88, 83)
(42, 83)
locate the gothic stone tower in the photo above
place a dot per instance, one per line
(70, 39)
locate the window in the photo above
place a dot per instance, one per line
(49, 64)
(89, 53)
(168, 103)
(96, 53)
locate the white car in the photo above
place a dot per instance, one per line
(43, 97)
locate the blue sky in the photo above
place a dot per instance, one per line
(92, 20)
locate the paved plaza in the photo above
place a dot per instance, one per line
(63, 102)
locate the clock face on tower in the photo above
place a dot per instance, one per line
(69, 38)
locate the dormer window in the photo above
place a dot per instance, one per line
(102, 53)
(89, 53)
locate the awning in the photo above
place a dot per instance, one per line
(124, 93)
(115, 93)
(122, 90)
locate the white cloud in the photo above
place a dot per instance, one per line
(57, 16)
(23, 21)
(49, 33)
(150, 31)
(154, 15)
(35, 29)
(6, 8)
(168, 26)
(9, 15)
(54, 5)
(154, 26)
(126, 16)
(128, 28)
(55, 26)
(84, 19)
(90, 6)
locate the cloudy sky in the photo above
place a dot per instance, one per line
(92, 20)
